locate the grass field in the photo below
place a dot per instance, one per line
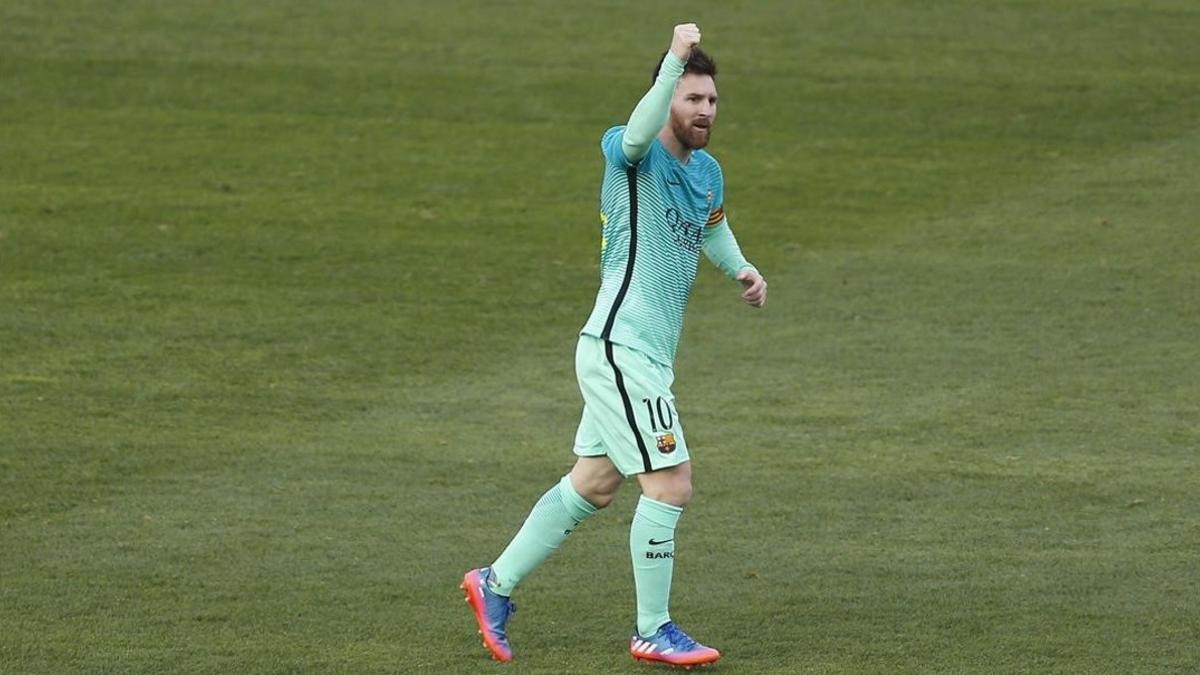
(289, 294)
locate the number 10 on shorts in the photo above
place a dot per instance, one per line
(665, 417)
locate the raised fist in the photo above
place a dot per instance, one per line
(687, 35)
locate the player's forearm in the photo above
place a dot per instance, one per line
(651, 113)
(722, 249)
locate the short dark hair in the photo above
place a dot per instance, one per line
(698, 63)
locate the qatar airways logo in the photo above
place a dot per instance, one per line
(688, 236)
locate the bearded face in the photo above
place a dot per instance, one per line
(693, 110)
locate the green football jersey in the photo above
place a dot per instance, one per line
(654, 215)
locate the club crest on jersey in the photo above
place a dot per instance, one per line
(666, 443)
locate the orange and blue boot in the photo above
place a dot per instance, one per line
(671, 645)
(492, 612)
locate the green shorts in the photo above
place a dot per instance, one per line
(629, 411)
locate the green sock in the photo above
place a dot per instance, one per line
(553, 517)
(652, 546)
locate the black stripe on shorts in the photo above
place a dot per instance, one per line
(608, 351)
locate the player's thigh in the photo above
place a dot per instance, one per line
(630, 407)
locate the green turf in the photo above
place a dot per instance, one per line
(289, 290)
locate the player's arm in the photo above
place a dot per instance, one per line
(721, 247)
(651, 113)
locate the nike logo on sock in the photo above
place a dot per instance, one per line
(656, 543)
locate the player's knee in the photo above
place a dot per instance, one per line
(601, 499)
(596, 479)
(681, 494)
(670, 486)
(600, 492)
(675, 492)
(599, 488)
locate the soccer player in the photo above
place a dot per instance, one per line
(661, 205)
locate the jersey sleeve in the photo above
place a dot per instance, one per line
(716, 210)
(721, 248)
(627, 145)
(610, 145)
(719, 245)
(653, 110)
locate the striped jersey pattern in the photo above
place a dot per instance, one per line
(653, 214)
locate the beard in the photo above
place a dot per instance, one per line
(689, 135)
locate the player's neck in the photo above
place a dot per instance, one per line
(682, 153)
